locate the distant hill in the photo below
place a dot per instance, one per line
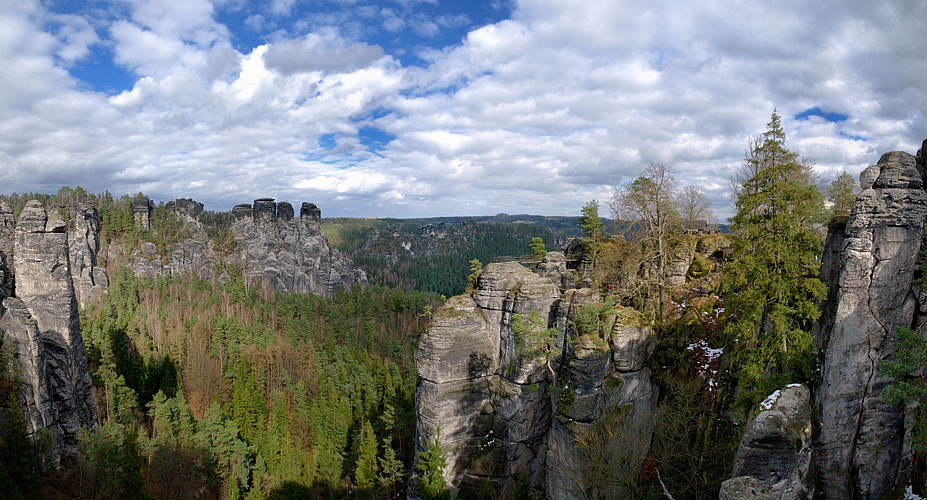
(433, 254)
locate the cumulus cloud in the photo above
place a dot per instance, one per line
(312, 54)
(537, 113)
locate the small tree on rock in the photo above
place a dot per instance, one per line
(842, 193)
(431, 464)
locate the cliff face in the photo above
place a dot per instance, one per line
(39, 325)
(859, 445)
(275, 249)
(505, 416)
(287, 253)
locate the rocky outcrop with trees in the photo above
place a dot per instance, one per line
(287, 253)
(525, 386)
(272, 248)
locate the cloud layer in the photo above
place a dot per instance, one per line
(415, 109)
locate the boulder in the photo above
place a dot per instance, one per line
(776, 445)
(744, 488)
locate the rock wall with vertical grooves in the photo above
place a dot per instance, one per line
(39, 324)
(859, 443)
(504, 416)
(287, 253)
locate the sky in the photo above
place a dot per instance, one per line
(420, 108)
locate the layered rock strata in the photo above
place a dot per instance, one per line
(507, 414)
(287, 253)
(859, 443)
(40, 323)
(776, 445)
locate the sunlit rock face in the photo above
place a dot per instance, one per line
(275, 249)
(507, 416)
(287, 253)
(40, 326)
(88, 277)
(859, 445)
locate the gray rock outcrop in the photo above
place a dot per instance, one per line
(776, 445)
(287, 253)
(507, 414)
(40, 323)
(88, 277)
(859, 439)
(744, 488)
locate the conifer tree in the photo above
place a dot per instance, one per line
(773, 277)
(432, 464)
(842, 193)
(367, 468)
(248, 409)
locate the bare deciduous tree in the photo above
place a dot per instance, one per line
(694, 205)
(649, 204)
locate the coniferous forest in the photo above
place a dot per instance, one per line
(227, 391)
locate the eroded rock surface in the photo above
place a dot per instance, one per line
(505, 414)
(287, 253)
(776, 446)
(859, 443)
(275, 250)
(41, 324)
(88, 277)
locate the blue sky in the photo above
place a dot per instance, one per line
(415, 108)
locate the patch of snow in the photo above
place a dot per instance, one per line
(909, 495)
(770, 400)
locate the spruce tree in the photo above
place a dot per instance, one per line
(432, 464)
(248, 408)
(366, 470)
(773, 278)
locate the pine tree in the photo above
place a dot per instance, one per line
(774, 278)
(367, 468)
(432, 464)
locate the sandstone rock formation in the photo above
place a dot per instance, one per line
(289, 254)
(744, 488)
(859, 437)
(506, 416)
(776, 445)
(87, 276)
(40, 323)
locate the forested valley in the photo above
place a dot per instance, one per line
(218, 389)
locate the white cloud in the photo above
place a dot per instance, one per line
(537, 113)
(313, 53)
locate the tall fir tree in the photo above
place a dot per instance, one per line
(367, 468)
(248, 408)
(773, 278)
